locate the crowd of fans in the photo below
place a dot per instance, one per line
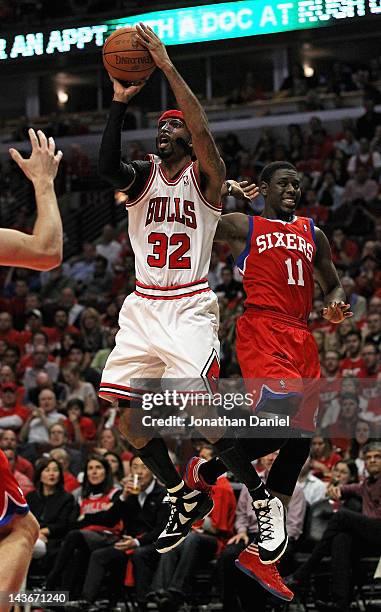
(99, 508)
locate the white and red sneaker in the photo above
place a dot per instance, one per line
(192, 476)
(267, 575)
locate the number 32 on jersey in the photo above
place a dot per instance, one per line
(169, 251)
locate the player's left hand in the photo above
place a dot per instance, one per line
(336, 312)
(150, 40)
(243, 190)
(43, 162)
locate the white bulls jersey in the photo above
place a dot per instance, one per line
(169, 325)
(171, 228)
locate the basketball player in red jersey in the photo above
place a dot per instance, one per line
(40, 251)
(277, 254)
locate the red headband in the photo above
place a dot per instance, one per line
(171, 114)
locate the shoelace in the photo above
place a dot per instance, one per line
(265, 526)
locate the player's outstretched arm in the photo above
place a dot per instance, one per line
(110, 164)
(336, 309)
(210, 162)
(43, 249)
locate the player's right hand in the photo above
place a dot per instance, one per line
(124, 94)
(336, 312)
(43, 162)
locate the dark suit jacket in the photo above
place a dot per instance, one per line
(145, 524)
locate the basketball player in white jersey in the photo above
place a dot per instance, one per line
(40, 251)
(169, 325)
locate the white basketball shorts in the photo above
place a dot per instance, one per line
(163, 339)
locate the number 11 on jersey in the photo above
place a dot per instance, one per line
(299, 272)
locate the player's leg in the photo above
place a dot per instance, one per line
(17, 540)
(138, 358)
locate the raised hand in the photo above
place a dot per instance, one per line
(336, 312)
(43, 162)
(150, 40)
(124, 94)
(243, 190)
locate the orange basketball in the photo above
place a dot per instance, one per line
(125, 58)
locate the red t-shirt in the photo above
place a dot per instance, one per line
(70, 482)
(329, 462)
(20, 411)
(86, 425)
(351, 367)
(24, 466)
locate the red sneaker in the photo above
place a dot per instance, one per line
(192, 476)
(267, 575)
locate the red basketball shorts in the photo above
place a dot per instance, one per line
(278, 358)
(12, 500)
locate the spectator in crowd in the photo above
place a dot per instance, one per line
(69, 302)
(36, 428)
(353, 362)
(342, 431)
(229, 288)
(43, 381)
(360, 189)
(99, 282)
(22, 480)
(329, 193)
(362, 435)
(41, 363)
(344, 251)
(357, 302)
(8, 439)
(84, 266)
(373, 324)
(12, 414)
(117, 468)
(369, 121)
(58, 438)
(79, 389)
(53, 283)
(81, 359)
(92, 333)
(107, 246)
(143, 514)
(314, 489)
(70, 483)
(54, 509)
(349, 531)
(215, 270)
(322, 458)
(71, 563)
(172, 583)
(62, 326)
(80, 428)
(101, 356)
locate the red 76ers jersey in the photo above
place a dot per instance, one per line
(171, 227)
(277, 265)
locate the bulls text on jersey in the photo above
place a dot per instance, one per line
(171, 210)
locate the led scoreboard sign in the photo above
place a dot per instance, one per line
(197, 24)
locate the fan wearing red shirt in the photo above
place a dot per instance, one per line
(353, 363)
(61, 326)
(323, 458)
(12, 415)
(8, 439)
(63, 458)
(7, 333)
(80, 429)
(370, 371)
